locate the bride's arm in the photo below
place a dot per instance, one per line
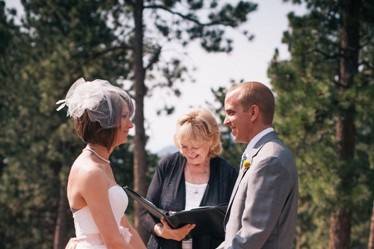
(136, 242)
(93, 187)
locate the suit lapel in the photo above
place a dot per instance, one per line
(236, 186)
(258, 146)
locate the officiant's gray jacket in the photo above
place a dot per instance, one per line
(168, 191)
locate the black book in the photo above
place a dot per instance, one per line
(208, 219)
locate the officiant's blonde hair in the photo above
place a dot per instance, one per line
(199, 125)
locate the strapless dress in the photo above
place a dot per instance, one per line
(86, 231)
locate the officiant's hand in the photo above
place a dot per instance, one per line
(165, 231)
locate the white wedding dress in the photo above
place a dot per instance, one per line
(86, 231)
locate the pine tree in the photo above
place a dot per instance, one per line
(324, 113)
(171, 21)
(57, 43)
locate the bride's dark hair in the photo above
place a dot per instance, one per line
(92, 132)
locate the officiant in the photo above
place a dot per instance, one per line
(194, 176)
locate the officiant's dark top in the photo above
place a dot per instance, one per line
(168, 191)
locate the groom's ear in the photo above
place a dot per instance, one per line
(254, 113)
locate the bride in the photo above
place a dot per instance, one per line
(101, 114)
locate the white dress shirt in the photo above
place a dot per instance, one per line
(248, 150)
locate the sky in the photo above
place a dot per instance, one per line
(249, 61)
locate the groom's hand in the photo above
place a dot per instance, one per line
(165, 231)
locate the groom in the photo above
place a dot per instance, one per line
(263, 205)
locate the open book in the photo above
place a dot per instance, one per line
(208, 219)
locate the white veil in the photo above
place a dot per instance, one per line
(102, 101)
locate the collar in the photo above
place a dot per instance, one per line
(254, 140)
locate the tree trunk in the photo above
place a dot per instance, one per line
(340, 225)
(60, 236)
(371, 236)
(340, 228)
(140, 167)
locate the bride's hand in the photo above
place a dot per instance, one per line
(165, 231)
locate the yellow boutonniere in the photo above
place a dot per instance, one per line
(246, 164)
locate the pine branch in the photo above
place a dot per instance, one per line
(367, 64)
(130, 2)
(326, 54)
(108, 50)
(366, 39)
(155, 57)
(184, 16)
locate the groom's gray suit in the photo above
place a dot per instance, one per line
(263, 205)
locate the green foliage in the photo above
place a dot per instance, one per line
(59, 42)
(307, 106)
(56, 43)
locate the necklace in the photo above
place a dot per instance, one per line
(97, 154)
(196, 178)
(196, 188)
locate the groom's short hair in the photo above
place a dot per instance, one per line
(256, 93)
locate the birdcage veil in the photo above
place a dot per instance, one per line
(102, 101)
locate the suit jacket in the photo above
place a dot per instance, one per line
(168, 191)
(263, 206)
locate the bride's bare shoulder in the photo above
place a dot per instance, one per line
(86, 169)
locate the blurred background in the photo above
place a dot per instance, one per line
(171, 55)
